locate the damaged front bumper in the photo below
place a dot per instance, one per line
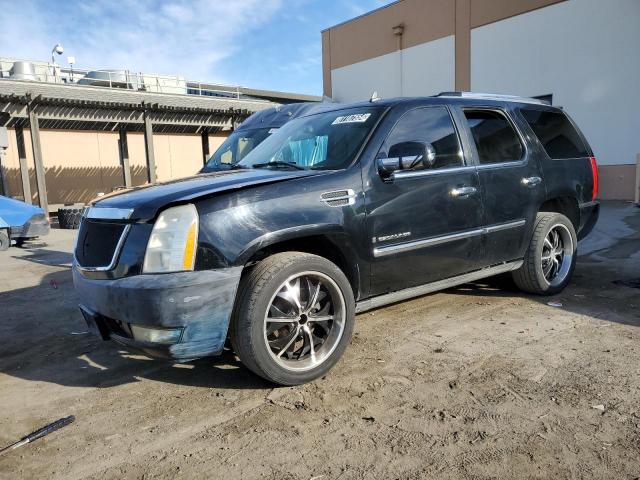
(36, 226)
(188, 312)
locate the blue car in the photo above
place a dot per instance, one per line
(20, 221)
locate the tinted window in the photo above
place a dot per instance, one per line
(236, 147)
(323, 141)
(430, 125)
(495, 138)
(556, 134)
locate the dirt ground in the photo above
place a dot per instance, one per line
(475, 382)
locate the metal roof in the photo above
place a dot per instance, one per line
(98, 108)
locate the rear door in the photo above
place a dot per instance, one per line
(510, 179)
(565, 155)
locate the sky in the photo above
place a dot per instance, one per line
(269, 44)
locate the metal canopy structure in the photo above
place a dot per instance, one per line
(36, 105)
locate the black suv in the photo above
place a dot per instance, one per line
(338, 212)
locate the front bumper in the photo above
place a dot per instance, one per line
(200, 303)
(36, 226)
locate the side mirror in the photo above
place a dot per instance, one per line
(406, 156)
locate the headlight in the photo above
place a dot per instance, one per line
(173, 240)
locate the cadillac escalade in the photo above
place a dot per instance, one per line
(337, 212)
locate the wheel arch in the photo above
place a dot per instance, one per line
(565, 205)
(330, 242)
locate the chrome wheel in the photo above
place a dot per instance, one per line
(557, 254)
(305, 321)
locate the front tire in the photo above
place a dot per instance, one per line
(551, 257)
(293, 318)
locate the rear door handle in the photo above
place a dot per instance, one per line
(462, 192)
(531, 181)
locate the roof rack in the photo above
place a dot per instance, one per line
(492, 96)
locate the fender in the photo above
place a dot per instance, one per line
(335, 235)
(286, 234)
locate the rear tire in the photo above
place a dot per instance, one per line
(551, 257)
(69, 217)
(293, 317)
(5, 241)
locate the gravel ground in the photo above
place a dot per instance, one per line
(475, 382)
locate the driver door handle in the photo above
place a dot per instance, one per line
(463, 192)
(531, 181)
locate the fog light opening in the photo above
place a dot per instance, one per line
(165, 336)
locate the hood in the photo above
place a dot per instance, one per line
(148, 199)
(14, 213)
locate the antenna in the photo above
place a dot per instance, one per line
(374, 97)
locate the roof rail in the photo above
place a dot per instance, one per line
(492, 96)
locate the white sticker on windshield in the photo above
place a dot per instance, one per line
(355, 118)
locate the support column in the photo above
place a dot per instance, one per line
(34, 128)
(4, 145)
(124, 157)
(148, 147)
(4, 187)
(24, 167)
(463, 45)
(205, 145)
(637, 194)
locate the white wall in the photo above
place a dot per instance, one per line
(426, 69)
(584, 52)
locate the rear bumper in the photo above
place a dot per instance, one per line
(198, 303)
(589, 213)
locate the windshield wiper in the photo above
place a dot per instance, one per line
(278, 163)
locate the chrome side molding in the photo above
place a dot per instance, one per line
(427, 242)
(504, 226)
(430, 242)
(399, 296)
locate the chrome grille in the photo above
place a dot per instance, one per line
(99, 243)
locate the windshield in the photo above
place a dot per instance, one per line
(324, 141)
(236, 147)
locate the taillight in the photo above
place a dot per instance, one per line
(594, 175)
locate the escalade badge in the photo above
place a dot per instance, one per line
(394, 236)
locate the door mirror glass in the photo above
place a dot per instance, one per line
(411, 155)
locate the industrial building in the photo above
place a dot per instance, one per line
(74, 135)
(577, 54)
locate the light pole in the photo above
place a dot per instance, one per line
(71, 61)
(59, 49)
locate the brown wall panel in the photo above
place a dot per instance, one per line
(463, 45)
(372, 35)
(617, 182)
(326, 63)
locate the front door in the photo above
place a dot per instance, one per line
(424, 222)
(511, 183)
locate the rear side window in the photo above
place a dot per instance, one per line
(494, 136)
(556, 133)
